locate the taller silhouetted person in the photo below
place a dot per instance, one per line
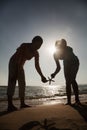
(26, 51)
(71, 66)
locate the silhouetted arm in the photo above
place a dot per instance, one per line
(58, 66)
(37, 66)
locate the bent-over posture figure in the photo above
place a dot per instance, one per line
(71, 66)
(26, 51)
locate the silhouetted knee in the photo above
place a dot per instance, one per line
(68, 83)
(68, 87)
(11, 87)
(74, 84)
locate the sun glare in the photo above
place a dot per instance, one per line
(52, 49)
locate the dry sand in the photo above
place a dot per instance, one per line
(60, 116)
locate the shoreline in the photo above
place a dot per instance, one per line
(41, 101)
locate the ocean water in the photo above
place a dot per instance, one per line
(41, 95)
(39, 92)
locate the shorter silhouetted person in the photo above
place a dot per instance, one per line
(26, 51)
(71, 66)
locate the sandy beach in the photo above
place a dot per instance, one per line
(46, 117)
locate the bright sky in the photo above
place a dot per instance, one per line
(21, 20)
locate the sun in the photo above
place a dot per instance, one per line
(52, 50)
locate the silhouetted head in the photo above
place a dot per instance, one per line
(61, 44)
(37, 42)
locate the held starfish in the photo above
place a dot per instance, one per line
(50, 80)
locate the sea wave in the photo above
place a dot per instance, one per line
(42, 92)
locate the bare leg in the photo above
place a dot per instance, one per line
(11, 84)
(68, 92)
(21, 82)
(10, 93)
(76, 92)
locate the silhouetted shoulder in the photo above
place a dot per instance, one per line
(69, 49)
(23, 46)
(69, 56)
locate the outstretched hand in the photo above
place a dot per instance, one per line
(52, 75)
(44, 80)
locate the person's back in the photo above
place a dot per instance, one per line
(69, 58)
(23, 53)
(67, 55)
